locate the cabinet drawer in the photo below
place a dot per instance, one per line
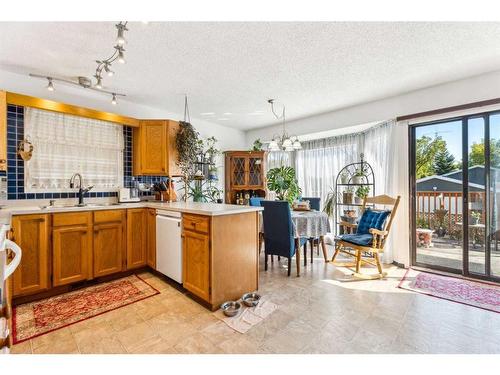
(195, 222)
(71, 218)
(108, 216)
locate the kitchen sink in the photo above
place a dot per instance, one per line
(90, 205)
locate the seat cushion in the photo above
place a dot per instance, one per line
(357, 239)
(372, 219)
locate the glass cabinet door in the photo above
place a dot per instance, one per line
(238, 171)
(255, 172)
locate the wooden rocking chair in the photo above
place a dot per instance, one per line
(368, 236)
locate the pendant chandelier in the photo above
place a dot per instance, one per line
(283, 142)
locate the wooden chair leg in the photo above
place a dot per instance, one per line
(265, 266)
(323, 245)
(337, 250)
(261, 241)
(312, 251)
(289, 266)
(358, 260)
(379, 266)
(317, 246)
(279, 258)
(272, 258)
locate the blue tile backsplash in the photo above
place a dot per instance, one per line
(15, 165)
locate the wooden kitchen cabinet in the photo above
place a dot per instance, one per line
(71, 247)
(137, 234)
(154, 149)
(109, 242)
(245, 172)
(31, 233)
(196, 263)
(151, 240)
(220, 256)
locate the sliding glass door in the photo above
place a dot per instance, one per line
(455, 189)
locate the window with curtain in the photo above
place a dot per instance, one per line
(65, 144)
(319, 162)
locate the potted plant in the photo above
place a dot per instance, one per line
(347, 195)
(257, 145)
(211, 150)
(344, 177)
(329, 206)
(283, 182)
(361, 193)
(359, 177)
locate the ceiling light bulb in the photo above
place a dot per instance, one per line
(273, 145)
(121, 57)
(98, 84)
(109, 71)
(113, 100)
(287, 143)
(289, 148)
(50, 86)
(120, 39)
(297, 145)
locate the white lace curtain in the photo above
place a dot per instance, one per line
(65, 144)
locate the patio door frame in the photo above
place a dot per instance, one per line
(465, 196)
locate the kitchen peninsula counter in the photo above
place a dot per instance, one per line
(219, 243)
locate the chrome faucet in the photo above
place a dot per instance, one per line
(81, 190)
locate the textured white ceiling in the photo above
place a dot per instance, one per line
(230, 69)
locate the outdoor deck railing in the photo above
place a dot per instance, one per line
(428, 202)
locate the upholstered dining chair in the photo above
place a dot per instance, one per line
(315, 204)
(369, 235)
(278, 233)
(255, 202)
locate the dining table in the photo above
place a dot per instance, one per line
(309, 224)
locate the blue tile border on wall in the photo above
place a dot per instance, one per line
(15, 165)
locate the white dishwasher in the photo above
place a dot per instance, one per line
(169, 244)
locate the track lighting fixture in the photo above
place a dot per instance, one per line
(121, 57)
(102, 65)
(98, 84)
(108, 71)
(120, 39)
(50, 86)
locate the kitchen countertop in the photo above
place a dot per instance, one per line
(208, 209)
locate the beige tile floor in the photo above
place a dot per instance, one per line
(317, 314)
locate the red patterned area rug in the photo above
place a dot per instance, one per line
(473, 293)
(38, 318)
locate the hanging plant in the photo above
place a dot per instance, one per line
(188, 146)
(187, 143)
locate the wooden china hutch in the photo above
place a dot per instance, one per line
(245, 175)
